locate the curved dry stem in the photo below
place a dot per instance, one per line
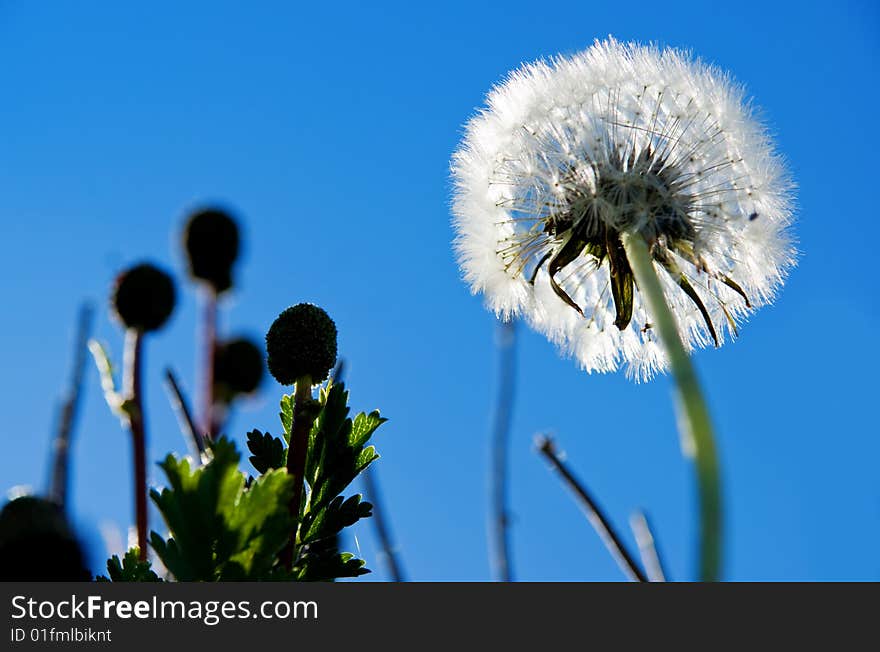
(601, 524)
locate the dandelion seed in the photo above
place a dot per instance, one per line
(574, 152)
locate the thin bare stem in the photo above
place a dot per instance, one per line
(594, 513)
(647, 544)
(181, 409)
(134, 407)
(382, 529)
(500, 554)
(694, 422)
(70, 408)
(209, 349)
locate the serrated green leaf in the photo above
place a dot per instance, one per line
(190, 521)
(219, 530)
(363, 427)
(332, 519)
(286, 416)
(330, 425)
(130, 569)
(173, 558)
(261, 523)
(329, 565)
(268, 451)
(336, 456)
(366, 457)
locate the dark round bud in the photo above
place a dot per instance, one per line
(36, 544)
(143, 297)
(211, 241)
(301, 342)
(238, 368)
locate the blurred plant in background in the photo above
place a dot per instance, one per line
(223, 523)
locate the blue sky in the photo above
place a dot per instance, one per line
(329, 129)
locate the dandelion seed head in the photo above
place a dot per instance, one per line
(572, 152)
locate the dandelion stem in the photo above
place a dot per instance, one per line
(594, 513)
(500, 553)
(694, 421)
(303, 417)
(135, 413)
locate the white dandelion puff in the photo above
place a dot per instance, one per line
(572, 153)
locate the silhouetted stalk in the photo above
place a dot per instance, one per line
(381, 525)
(59, 480)
(500, 549)
(694, 421)
(134, 410)
(181, 409)
(209, 350)
(593, 512)
(303, 417)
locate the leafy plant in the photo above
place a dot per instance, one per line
(130, 569)
(222, 523)
(338, 453)
(225, 525)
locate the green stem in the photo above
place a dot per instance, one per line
(694, 421)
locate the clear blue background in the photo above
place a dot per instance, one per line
(330, 129)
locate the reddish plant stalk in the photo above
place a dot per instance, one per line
(135, 409)
(303, 417)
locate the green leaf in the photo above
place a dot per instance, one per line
(336, 454)
(219, 529)
(224, 528)
(286, 416)
(130, 569)
(329, 565)
(268, 451)
(260, 524)
(365, 458)
(363, 427)
(173, 558)
(331, 520)
(191, 507)
(331, 424)
(106, 372)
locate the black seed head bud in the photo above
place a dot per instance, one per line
(211, 241)
(238, 368)
(36, 543)
(143, 297)
(301, 342)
